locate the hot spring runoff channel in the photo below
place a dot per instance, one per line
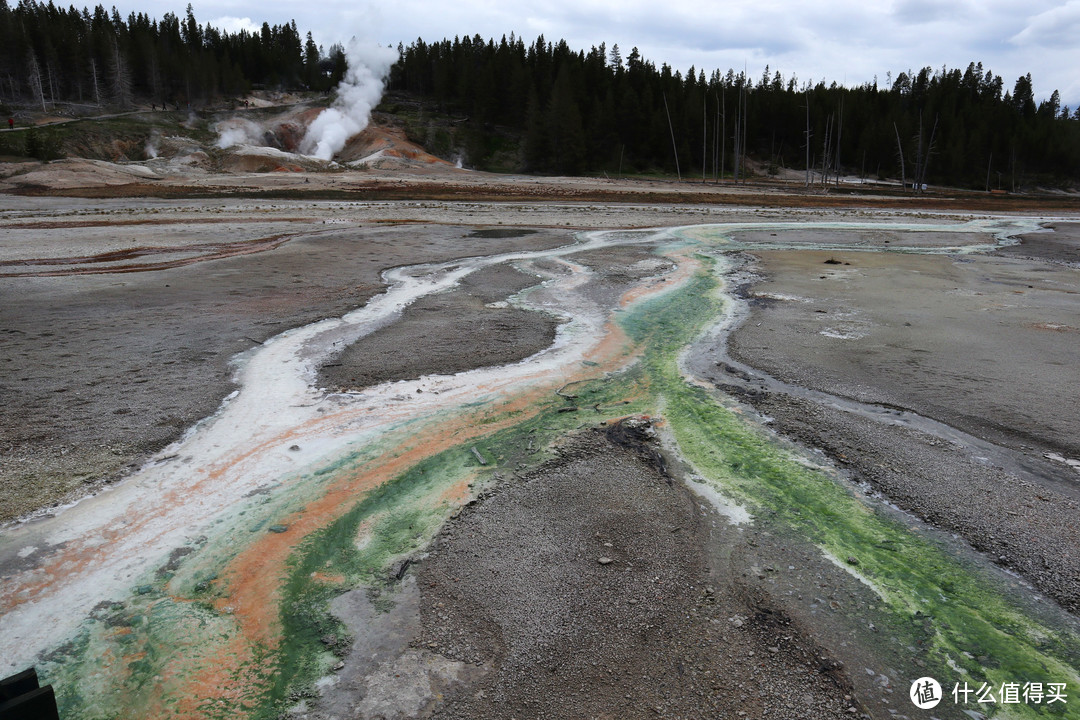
(200, 585)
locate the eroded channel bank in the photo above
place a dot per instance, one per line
(290, 495)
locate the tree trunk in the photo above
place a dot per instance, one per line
(121, 78)
(35, 81)
(674, 147)
(900, 149)
(94, 77)
(807, 98)
(839, 129)
(723, 134)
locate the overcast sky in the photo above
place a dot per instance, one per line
(849, 41)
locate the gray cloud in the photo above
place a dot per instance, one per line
(1058, 27)
(917, 12)
(843, 40)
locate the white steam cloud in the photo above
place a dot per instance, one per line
(239, 131)
(357, 95)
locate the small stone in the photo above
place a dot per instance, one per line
(604, 560)
(294, 448)
(278, 528)
(852, 560)
(339, 666)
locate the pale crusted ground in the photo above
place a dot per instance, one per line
(983, 344)
(106, 367)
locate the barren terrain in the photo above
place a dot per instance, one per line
(485, 472)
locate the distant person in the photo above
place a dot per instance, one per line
(11, 123)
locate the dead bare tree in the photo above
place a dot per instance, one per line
(806, 96)
(740, 130)
(674, 147)
(746, 112)
(918, 155)
(94, 77)
(826, 151)
(723, 133)
(900, 150)
(924, 160)
(121, 78)
(717, 137)
(839, 129)
(34, 79)
(52, 84)
(735, 140)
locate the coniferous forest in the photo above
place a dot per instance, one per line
(571, 111)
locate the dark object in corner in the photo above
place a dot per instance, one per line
(22, 699)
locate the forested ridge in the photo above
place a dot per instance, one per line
(50, 55)
(553, 109)
(598, 110)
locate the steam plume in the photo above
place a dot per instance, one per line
(239, 131)
(357, 95)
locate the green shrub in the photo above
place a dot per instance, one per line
(43, 145)
(13, 144)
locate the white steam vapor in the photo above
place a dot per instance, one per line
(358, 93)
(239, 131)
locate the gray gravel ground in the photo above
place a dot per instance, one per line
(448, 332)
(980, 343)
(592, 588)
(1025, 526)
(101, 371)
